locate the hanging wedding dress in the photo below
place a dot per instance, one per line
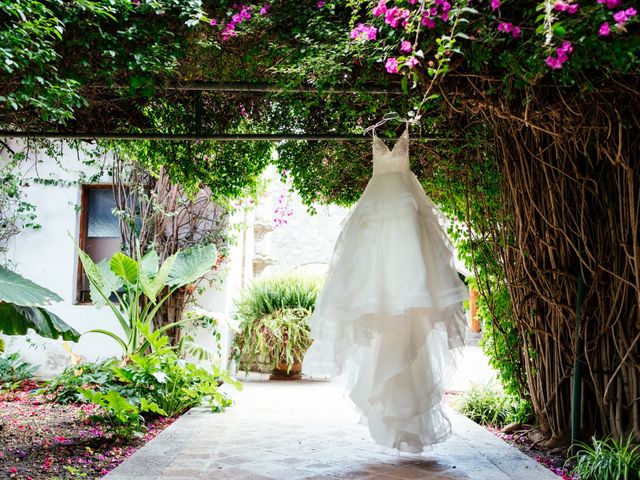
(390, 313)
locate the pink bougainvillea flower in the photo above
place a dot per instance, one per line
(508, 27)
(563, 6)
(412, 2)
(427, 22)
(320, 4)
(380, 9)
(553, 62)
(13, 470)
(405, 46)
(213, 22)
(605, 30)
(412, 62)
(562, 55)
(495, 5)
(264, 10)
(623, 16)
(611, 4)
(136, 2)
(391, 65)
(391, 17)
(364, 32)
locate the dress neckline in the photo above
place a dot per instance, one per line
(404, 135)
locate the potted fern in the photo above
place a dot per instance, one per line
(273, 316)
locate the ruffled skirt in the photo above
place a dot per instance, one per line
(390, 315)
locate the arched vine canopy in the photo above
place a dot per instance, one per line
(535, 105)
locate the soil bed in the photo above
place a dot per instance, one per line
(40, 440)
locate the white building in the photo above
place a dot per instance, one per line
(71, 209)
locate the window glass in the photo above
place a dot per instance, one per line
(101, 222)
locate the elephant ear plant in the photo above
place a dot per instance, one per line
(136, 289)
(21, 309)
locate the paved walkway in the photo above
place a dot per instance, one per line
(307, 429)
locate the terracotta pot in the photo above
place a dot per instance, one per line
(280, 372)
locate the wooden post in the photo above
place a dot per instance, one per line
(474, 323)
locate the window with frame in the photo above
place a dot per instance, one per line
(99, 231)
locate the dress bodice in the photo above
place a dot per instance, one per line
(395, 160)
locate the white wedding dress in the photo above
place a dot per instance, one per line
(390, 313)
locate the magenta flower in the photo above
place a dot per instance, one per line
(508, 27)
(412, 2)
(263, 10)
(405, 46)
(495, 4)
(412, 62)
(364, 32)
(611, 4)
(623, 16)
(213, 22)
(605, 30)
(380, 9)
(391, 65)
(320, 4)
(136, 2)
(562, 55)
(563, 6)
(393, 15)
(427, 22)
(553, 62)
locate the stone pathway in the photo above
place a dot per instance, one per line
(307, 429)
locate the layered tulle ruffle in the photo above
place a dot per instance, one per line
(390, 314)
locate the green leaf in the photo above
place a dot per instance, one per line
(147, 406)
(16, 289)
(162, 277)
(149, 263)
(125, 267)
(17, 320)
(192, 264)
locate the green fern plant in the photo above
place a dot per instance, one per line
(273, 317)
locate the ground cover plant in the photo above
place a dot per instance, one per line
(41, 440)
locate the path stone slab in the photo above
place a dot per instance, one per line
(308, 430)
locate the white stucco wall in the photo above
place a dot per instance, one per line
(47, 257)
(304, 243)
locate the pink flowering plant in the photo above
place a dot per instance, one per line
(423, 39)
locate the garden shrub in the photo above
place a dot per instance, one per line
(66, 387)
(14, 371)
(487, 405)
(608, 459)
(274, 321)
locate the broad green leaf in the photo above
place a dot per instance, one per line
(125, 267)
(149, 263)
(110, 283)
(192, 264)
(17, 320)
(162, 277)
(16, 289)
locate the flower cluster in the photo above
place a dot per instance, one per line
(364, 32)
(621, 17)
(242, 14)
(562, 55)
(568, 7)
(508, 27)
(283, 209)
